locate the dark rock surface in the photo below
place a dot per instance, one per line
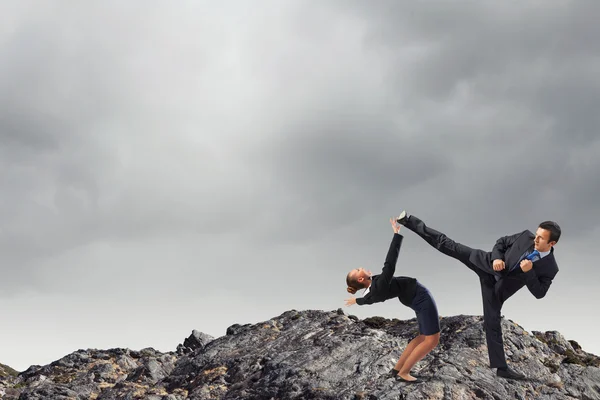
(319, 355)
(196, 341)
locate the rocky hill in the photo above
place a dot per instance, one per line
(318, 355)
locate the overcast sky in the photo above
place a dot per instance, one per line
(168, 167)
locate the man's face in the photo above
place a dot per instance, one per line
(542, 240)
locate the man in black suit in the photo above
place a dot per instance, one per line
(522, 259)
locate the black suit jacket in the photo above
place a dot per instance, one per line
(385, 285)
(510, 249)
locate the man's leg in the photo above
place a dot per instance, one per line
(440, 241)
(492, 319)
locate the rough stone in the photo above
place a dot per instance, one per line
(319, 355)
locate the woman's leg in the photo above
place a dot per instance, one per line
(421, 350)
(408, 350)
(429, 327)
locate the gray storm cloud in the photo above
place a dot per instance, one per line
(147, 151)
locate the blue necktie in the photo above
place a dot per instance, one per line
(531, 256)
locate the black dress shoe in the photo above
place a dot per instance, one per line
(401, 219)
(509, 374)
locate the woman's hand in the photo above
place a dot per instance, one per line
(350, 301)
(395, 225)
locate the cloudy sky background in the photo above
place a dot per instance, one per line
(165, 168)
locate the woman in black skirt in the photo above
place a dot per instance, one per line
(411, 293)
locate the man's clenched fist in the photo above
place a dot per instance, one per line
(498, 265)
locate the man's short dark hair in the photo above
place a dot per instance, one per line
(553, 228)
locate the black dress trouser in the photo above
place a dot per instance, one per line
(491, 304)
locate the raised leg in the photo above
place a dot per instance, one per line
(445, 245)
(438, 240)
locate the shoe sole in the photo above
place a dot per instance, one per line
(401, 217)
